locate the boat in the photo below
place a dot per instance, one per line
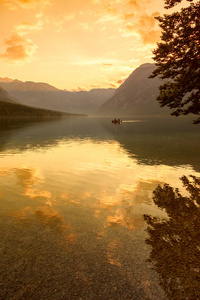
(116, 121)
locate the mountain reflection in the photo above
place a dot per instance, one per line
(19, 134)
(153, 142)
(175, 241)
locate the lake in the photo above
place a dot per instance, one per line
(74, 193)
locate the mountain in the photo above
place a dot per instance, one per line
(10, 108)
(136, 96)
(4, 96)
(46, 96)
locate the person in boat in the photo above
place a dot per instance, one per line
(116, 121)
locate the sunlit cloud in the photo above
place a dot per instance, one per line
(108, 65)
(85, 25)
(18, 49)
(96, 1)
(137, 24)
(140, 5)
(121, 81)
(73, 38)
(148, 28)
(78, 89)
(26, 27)
(129, 17)
(118, 67)
(109, 14)
(104, 61)
(135, 3)
(122, 71)
(150, 37)
(62, 20)
(26, 4)
(145, 27)
(114, 86)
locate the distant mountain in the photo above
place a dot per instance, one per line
(10, 108)
(136, 96)
(46, 96)
(4, 96)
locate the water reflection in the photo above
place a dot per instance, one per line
(158, 141)
(15, 134)
(73, 193)
(175, 240)
(154, 141)
(69, 234)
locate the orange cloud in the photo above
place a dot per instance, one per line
(18, 49)
(78, 89)
(109, 14)
(96, 1)
(116, 83)
(107, 65)
(96, 86)
(121, 81)
(13, 4)
(128, 17)
(26, 27)
(135, 22)
(147, 28)
(135, 3)
(148, 21)
(62, 20)
(113, 85)
(150, 37)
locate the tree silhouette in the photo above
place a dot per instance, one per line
(177, 59)
(175, 240)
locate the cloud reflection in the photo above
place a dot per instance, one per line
(98, 175)
(31, 181)
(112, 253)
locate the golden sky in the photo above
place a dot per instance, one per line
(77, 44)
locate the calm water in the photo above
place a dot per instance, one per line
(73, 195)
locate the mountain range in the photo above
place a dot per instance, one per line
(46, 96)
(135, 97)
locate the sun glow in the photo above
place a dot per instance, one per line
(70, 44)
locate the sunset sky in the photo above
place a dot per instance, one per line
(77, 44)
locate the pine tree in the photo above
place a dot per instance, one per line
(177, 58)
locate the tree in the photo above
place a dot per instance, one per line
(177, 59)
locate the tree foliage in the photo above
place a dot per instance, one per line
(177, 59)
